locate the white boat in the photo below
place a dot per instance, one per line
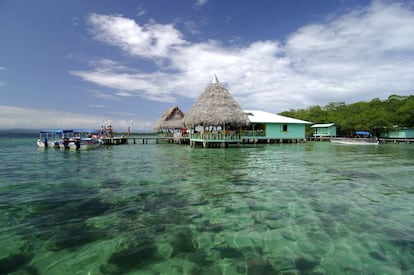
(69, 139)
(83, 140)
(355, 141)
(90, 143)
(50, 139)
(83, 143)
(362, 138)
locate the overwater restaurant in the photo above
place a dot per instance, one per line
(217, 120)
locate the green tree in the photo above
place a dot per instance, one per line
(374, 116)
(405, 112)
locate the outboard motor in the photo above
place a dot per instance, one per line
(45, 141)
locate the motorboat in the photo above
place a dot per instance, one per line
(354, 141)
(362, 138)
(50, 139)
(83, 139)
(69, 139)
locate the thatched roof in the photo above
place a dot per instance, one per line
(216, 106)
(170, 119)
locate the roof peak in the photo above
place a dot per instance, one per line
(215, 79)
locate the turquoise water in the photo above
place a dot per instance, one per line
(313, 208)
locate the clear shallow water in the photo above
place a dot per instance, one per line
(313, 208)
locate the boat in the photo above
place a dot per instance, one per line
(362, 138)
(354, 141)
(82, 144)
(83, 139)
(50, 139)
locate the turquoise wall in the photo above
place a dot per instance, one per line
(325, 131)
(294, 131)
(405, 133)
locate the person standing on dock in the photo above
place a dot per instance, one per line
(129, 131)
(110, 131)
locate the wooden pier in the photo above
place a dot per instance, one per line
(396, 140)
(381, 140)
(311, 138)
(221, 143)
(144, 140)
(114, 141)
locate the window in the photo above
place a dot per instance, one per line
(284, 127)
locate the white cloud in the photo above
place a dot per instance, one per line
(99, 106)
(150, 86)
(201, 2)
(191, 27)
(141, 12)
(360, 55)
(15, 117)
(149, 41)
(103, 95)
(75, 21)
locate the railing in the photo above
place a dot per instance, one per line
(222, 137)
(215, 137)
(253, 134)
(322, 135)
(174, 134)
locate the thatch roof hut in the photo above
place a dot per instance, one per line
(216, 107)
(170, 119)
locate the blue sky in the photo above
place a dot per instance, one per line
(77, 63)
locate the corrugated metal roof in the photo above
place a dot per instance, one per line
(322, 125)
(265, 117)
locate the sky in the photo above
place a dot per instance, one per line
(86, 63)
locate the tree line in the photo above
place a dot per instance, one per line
(375, 116)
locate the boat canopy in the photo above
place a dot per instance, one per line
(363, 133)
(51, 131)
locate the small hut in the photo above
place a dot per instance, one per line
(171, 121)
(218, 114)
(273, 128)
(324, 130)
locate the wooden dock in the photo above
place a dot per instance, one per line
(381, 140)
(144, 140)
(186, 140)
(396, 140)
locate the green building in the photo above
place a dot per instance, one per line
(273, 128)
(324, 130)
(403, 133)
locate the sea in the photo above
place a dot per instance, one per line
(308, 208)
